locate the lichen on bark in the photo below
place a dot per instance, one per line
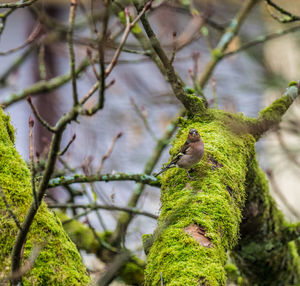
(58, 262)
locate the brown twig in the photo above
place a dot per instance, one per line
(108, 152)
(28, 264)
(174, 48)
(71, 50)
(32, 37)
(89, 55)
(142, 113)
(68, 145)
(31, 156)
(9, 209)
(128, 28)
(38, 116)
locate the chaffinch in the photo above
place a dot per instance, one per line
(191, 152)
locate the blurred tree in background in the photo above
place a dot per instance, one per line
(97, 90)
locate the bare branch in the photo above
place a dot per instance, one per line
(71, 50)
(109, 151)
(39, 117)
(61, 153)
(31, 156)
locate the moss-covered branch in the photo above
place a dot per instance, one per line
(266, 253)
(272, 115)
(77, 178)
(200, 220)
(46, 229)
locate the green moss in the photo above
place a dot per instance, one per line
(275, 111)
(132, 273)
(213, 201)
(59, 262)
(216, 54)
(260, 254)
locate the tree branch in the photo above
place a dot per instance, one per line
(141, 178)
(227, 37)
(94, 206)
(271, 116)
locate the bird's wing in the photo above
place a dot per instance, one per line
(185, 148)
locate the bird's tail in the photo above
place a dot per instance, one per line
(163, 170)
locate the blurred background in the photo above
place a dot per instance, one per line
(140, 103)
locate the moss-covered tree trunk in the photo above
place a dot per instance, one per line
(58, 262)
(200, 219)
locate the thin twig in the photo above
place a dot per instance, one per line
(174, 48)
(101, 242)
(9, 209)
(109, 151)
(39, 117)
(42, 87)
(262, 39)
(225, 40)
(32, 37)
(28, 264)
(61, 153)
(71, 50)
(19, 4)
(90, 57)
(95, 206)
(288, 18)
(142, 114)
(31, 156)
(41, 62)
(128, 28)
(16, 63)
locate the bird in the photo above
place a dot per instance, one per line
(191, 152)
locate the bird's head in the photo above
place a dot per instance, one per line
(193, 135)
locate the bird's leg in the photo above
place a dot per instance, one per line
(191, 178)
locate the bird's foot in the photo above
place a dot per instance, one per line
(190, 177)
